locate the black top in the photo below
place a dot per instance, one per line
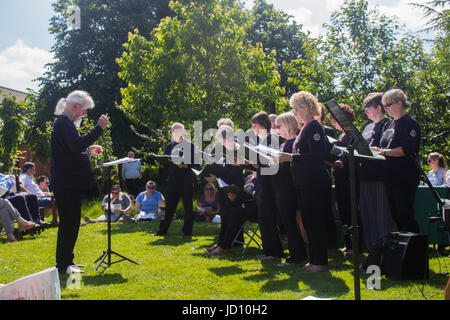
(343, 173)
(405, 133)
(70, 161)
(372, 170)
(308, 157)
(283, 179)
(177, 174)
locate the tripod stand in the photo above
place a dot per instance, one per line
(109, 252)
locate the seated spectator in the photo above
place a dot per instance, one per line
(150, 204)
(26, 179)
(43, 182)
(120, 207)
(438, 166)
(447, 179)
(207, 206)
(8, 214)
(26, 204)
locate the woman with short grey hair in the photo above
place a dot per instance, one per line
(400, 144)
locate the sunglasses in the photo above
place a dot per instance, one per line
(115, 192)
(389, 105)
(151, 187)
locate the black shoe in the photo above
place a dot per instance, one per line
(159, 233)
(186, 234)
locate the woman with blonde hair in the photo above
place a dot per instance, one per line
(311, 178)
(284, 192)
(438, 166)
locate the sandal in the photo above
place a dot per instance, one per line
(28, 226)
(214, 247)
(218, 251)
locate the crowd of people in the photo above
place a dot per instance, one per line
(294, 204)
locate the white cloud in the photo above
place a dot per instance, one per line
(333, 5)
(304, 16)
(412, 17)
(20, 64)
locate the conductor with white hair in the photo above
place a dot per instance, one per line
(71, 170)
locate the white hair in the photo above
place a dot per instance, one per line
(81, 97)
(177, 125)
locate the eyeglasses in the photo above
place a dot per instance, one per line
(389, 105)
(151, 187)
(117, 192)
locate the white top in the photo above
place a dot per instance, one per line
(30, 185)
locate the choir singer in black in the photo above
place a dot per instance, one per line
(180, 181)
(400, 145)
(311, 178)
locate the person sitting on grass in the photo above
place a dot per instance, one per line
(8, 214)
(149, 204)
(120, 207)
(207, 206)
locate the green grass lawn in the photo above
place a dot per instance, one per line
(175, 267)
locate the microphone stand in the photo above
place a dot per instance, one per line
(355, 227)
(109, 251)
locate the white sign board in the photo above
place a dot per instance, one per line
(43, 285)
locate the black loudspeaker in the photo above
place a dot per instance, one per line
(405, 256)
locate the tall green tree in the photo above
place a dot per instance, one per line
(14, 119)
(277, 31)
(198, 65)
(85, 58)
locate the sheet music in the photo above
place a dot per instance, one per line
(120, 161)
(332, 140)
(221, 183)
(268, 151)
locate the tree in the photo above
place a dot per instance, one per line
(277, 31)
(431, 11)
(363, 51)
(85, 58)
(13, 121)
(197, 65)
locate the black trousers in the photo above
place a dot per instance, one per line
(267, 215)
(236, 216)
(68, 202)
(315, 207)
(176, 191)
(286, 203)
(401, 201)
(133, 186)
(226, 208)
(343, 200)
(27, 205)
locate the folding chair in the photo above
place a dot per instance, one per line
(251, 231)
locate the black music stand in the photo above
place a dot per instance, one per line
(359, 145)
(108, 251)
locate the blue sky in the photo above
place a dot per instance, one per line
(25, 41)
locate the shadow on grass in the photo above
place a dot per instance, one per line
(169, 240)
(234, 255)
(323, 284)
(103, 279)
(227, 271)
